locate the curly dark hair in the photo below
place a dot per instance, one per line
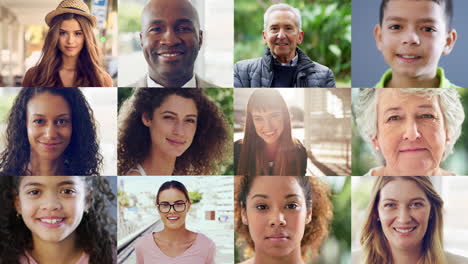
(209, 145)
(81, 157)
(95, 233)
(317, 195)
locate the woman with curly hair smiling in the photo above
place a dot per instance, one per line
(56, 219)
(282, 218)
(50, 131)
(171, 132)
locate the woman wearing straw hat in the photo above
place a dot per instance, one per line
(70, 56)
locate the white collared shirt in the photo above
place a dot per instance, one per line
(192, 83)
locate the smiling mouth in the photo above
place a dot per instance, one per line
(278, 238)
(269, 133)
(409, 150)
(404, 230)
(50, 145)
(172, 218)
(51, 221)
(175, 142)
(408, 57)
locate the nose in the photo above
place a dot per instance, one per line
(51, 202)
(170, 38)
(70, 38)
(178, 128)
(51, 131)
(411, 37)
(404, 215)
(277, 219)
(281, 34)
(411, 130)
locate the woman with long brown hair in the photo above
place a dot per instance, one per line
(70, 56)
(268, 147)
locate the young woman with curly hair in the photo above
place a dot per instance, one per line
(50, 131)
(404, 224)
(171, 132)
(268, 147)
(56, 219)
(70, 55)
(282, 218)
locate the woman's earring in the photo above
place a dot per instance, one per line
(18, 215)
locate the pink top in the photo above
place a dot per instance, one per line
(202, 251)
(29, 259)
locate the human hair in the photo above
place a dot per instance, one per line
(316, 194)
(374, 243)
(365, 113)
(209, 145)
(95, 233)
(88, 69)
(81, 157)
(173, 185)
(446, 4)
(252, 157)
(284, 7)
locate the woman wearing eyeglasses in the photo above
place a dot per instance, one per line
(175, 243)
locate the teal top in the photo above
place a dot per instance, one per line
(444, 82)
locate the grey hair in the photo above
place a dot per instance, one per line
(365, 113)
(282, 6)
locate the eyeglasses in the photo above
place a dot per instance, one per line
(166, 207)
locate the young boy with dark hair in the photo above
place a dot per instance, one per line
(412, 36)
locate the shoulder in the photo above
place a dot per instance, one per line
(455, 259)
(387, 76)
(144, 241)
(247, 65)
(205, 241)
(107, 80)
(373, 172)
(28, 76)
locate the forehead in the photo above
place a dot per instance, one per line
(177, 104)
(401, 190)
(171, 195)
(395, 99)
(51, 181)
(282, 16)
(48, 104)
(169, 11)
(70, 24)
(276, 187)
(265, 112)
(414, 10)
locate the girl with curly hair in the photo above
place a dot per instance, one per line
(56, 219)
(268, 147)
(70, 56)
(50, 131)
(282, 218)
(171, 132)
(175, 243)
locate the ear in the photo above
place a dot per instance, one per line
(18, 204)
(309, 214)
(450, 40)
(141, 40)
(244, 217)
(301, 37)
(447, 137)
(264, 38)
(378, 36)
(188, 206)
(200, 39)
(375, 143)
(145, 119)
(88, 200)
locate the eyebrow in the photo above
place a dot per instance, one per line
(60, 115)
(424, 106)
(71, 30)
(400, 19)
(169, 202)
(266, 196)
(38, 184)
(174, 113)
(412, 199)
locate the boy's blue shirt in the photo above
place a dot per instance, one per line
(444, 82)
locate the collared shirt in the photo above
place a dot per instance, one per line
(192, 83)
(290, 63)
(444, 82)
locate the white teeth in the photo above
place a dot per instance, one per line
(169, 54)
(404, 230)
(52, 221)
(408, 57)
(173, 218)
(269, 133)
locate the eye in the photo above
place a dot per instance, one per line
(428, 29)
(168, 117)
(393, 118)
(68, 192)
(292, 206)
(258, 119)
(39, 121)
(390, 205)
(184, 29)
(394, 27)
(78, 33)
(156, 29)
(261, 207)
(62, 122)
(191, 120)
(33, 192)
(428, 116)
(417, 204)
(61, 33)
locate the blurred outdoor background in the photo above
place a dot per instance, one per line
(101, 101)
(363, 159)
(453, 193)
(320, 119)
(214, 61)
(335, 249)
(23, 31)
(211, 212)
(223, 97)
(327, 32)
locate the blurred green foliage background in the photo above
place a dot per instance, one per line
(363, 160)
(326, 25)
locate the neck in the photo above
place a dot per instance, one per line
(174, 235)
(410, 256)
(293, 258)
(286, 59)
(177, 82)
(46, 167)
(64, 251)
(158, 163)
(416, 82)
(388, 171)
(69, 63)
(271, 150)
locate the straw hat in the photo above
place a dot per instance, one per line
(71, 6)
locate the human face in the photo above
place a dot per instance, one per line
(173, 219)
(173, 125)
(170, 39)
(49, 125)
(282, 35)
(413, 36)
(411, 133)
(51, 207)
(71, 38)
(268, 125)
(276, 214)
(404, 211)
